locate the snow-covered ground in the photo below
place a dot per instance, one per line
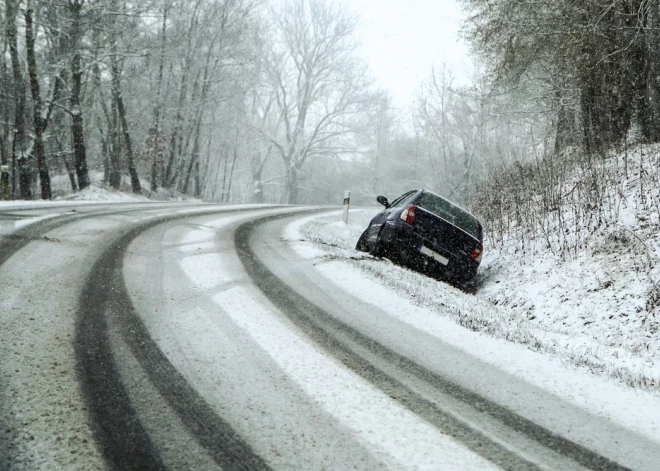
(91, 195)
(98, 192)
(204, 275)
(568, 365)
(592, 279)
(568, 310)
(597, 308)
(549, 360)
(425, 305)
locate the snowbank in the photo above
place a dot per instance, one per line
(602, 297)
(567, 309)
(99, 192)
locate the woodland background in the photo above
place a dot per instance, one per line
(270, 101)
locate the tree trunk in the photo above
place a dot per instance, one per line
(292, 184)
(257, 174)
(194, 157)
(198, 181)
(258, 190)
(184, 141)
(157, 159)
(19, 157)
(231, 173)
(109, 149)
(115, 150)
(42, 165)
(57, 122)
(105, 154)
(169, 179)
(565, 127)
(259, 193)
(121, 110)
(224, 174)
(67, 166)
(176, 141)
(3, 154)
(5, 86)
(77, 124)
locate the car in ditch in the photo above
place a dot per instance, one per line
(428, 233)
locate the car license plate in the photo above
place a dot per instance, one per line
(435, 256)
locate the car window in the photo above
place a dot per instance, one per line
(401, 199)
(450, 212)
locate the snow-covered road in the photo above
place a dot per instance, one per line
(151, 336)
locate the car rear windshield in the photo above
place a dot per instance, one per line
(452, 213)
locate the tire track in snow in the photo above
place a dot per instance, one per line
(13, 242)
(124, 442)
(343, 342)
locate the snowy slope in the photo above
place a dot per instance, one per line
(491, 333)
(99, 192)
(561, 308)
(601, 296)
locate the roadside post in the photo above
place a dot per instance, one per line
(347, 201)
(4, 178)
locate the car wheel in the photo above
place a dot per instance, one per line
(379, 247)
(362, 243)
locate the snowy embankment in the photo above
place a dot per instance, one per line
(566, 309)
(492, 334)
(94, 194)
(97, 191)
(100, 192)
(591, 280)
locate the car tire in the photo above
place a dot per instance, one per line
(362, 243)
(379, 248)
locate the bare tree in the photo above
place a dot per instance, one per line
(19, 143)
(602, 56)
(121, 109)
(379, 131)
(264, 120)
(39, 120)
(318, 80)
(77, 123)
(200, 95)
(157, 148)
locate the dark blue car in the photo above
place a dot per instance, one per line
(428, 233)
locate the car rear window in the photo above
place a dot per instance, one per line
(401, 199)
(451, 213)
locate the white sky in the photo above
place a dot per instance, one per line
(403, 39)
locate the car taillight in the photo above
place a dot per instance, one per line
(408, 215)
(478, 253)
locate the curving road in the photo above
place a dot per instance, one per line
(172, 336)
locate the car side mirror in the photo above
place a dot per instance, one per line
(382, 200)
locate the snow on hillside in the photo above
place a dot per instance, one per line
(604, 296)
(99, 192)
(597, 308)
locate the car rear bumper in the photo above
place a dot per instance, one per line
(402, 244)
